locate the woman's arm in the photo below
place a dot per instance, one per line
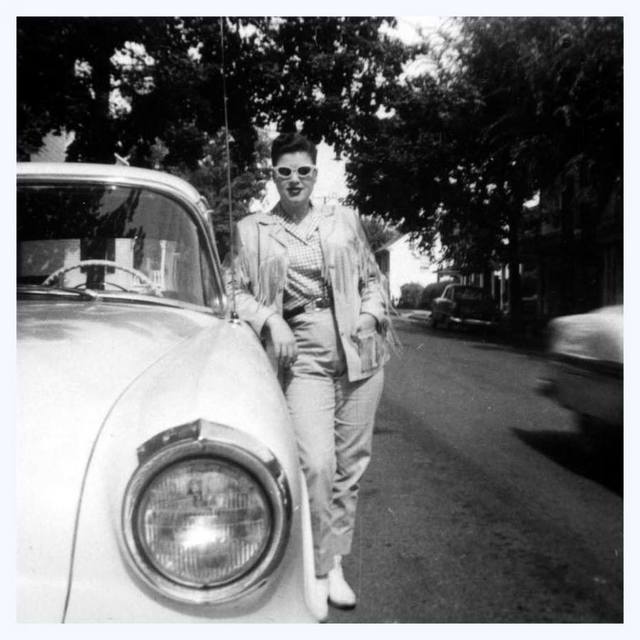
(374, 294)
(242, 278)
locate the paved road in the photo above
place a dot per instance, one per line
(481, 504)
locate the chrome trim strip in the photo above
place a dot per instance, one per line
(111, 174)
(472, 321)
(200, 439)
(585, 365)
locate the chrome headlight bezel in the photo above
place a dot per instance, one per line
(203, 439)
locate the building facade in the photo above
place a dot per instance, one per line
(402, 262)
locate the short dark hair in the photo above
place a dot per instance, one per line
(290, 143)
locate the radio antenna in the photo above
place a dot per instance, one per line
(232, 262)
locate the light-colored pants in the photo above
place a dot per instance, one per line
(333, 419)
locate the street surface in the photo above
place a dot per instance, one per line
(482, 502)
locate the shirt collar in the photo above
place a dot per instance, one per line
(302, 229)
(270, 217)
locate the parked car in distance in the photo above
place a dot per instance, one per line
(464, 305)
(432, 291)
(585, 366)
(156, 467)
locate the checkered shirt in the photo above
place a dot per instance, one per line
(304, 276)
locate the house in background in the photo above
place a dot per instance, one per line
(402, 262)
(574, 254)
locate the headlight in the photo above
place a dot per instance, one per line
(203, 522)
(206, 517)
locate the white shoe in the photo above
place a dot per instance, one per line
(341, 595)
(320, 606)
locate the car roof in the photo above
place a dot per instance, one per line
(109, 173)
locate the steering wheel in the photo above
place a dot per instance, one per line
(103, 284)
(104, 263)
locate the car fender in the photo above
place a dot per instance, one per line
(222, 375)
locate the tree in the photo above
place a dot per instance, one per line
(551, 97)
(379, 231)
(151, 89)
(512, 104)
(328, 74)
(210, 179)
(65, 77)
(410, 295)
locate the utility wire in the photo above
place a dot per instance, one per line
(232, 265)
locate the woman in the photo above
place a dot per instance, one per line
(308, 284)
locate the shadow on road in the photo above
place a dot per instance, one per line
(463, 333)
(602, 463)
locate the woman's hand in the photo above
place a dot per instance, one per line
(284, 342)
(366, 323)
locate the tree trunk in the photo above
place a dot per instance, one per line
(515, 283)
(103, 144)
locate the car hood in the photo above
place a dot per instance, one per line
(74, 360)
(598, 335)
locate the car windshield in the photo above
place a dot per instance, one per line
(108, 238)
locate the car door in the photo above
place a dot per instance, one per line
(442, 306)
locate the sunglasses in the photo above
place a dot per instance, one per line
(303, 171)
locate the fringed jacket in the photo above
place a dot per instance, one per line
(356, 283)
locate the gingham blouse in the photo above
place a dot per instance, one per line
(304, 275)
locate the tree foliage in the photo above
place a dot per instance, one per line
(65, 75)
(512, 104)
(410, 295)
(328, 74)
(211, 180)
(379, 231)
(151, 89)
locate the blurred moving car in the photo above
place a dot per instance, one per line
(585, 367)
(157, 472)
(465, 305)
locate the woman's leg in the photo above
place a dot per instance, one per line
(356, 405)
(311, 403)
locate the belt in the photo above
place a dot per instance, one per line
(314, 305)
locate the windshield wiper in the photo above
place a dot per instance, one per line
(40, 290)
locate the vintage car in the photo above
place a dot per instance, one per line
(584, 370)
(157, 474)
(431, 292)
(464, 305)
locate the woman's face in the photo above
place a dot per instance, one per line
(295, 189)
